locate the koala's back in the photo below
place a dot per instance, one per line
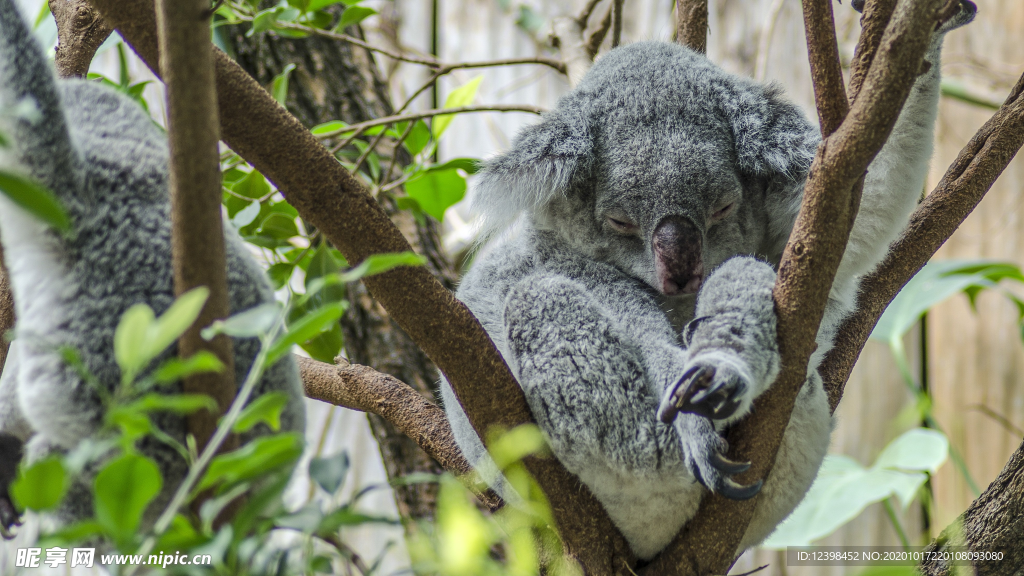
(73, 291)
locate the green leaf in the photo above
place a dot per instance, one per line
(266, 409)
(122, 490)
(437, 190)
(254, 459)
(345, 517)
(255, 321)
(305, 519)
(133, 424)
(175, 368)
(280, 274)
(278, 225)
(354, 15)
(315, 5)
(328, 127)
(265, 20)
(468, 165)
(41, 485)
(306, 328)
(329, 472)
(322, 265)
(176, 403)
(920, 449)
(418, 138)
(844, 488)
(933, 284)
(326, 345)
(380, 263)
(180, 535)
(254, 186)
(246, 215)
(176, 320)
(461, 96)
(140, 337)
(34, 199)
(529, 20)
(279, 87)
(130, 339)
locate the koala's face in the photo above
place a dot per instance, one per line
(661, 164)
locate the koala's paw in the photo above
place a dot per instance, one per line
(714, 392)
(960, 15)
(704, 453)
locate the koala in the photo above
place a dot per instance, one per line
(633, 301)
(107, 164)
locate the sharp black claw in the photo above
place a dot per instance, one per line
(728, 467)
(680, 397)
(735, 491)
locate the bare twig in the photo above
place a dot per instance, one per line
(263, 132)
(617, 23)
(692, 24)
(588, 9)
(80, 32)
(942, 211)
(197, 233)
(597, 36)
(363, 126)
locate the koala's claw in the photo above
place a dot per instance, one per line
(705, 391)
(704, 452)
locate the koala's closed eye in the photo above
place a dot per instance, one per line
(620, 222)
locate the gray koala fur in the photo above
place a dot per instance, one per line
(658, 169)
(107, 164)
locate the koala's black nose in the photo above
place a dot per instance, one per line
(677, 256)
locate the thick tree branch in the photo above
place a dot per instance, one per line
(993, 523)
(80, 32)
(362, 388)
(963, 186)
(197, 233)
(692, 24)
(326, 195)
(708, 543)
(876, 17)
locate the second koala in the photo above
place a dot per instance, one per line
(659, 194)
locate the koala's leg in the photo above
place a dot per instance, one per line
(895, 179)
(585, 378)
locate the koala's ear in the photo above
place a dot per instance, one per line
(544, 160)
(774, 139)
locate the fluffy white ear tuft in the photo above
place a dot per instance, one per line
(543, 162)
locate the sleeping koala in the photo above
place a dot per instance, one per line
(634, 304)
(107, 164)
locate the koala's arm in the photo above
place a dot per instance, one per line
(896, 177)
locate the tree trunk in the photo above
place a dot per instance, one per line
(335, 81)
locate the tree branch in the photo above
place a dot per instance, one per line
(363, 126)
(826, 71)
(963, 186)
(197, 233)
(708, 543)
(362, 388)
(263, 133)
(593, 43)
(692, 24)
(992, 523)
(617, 23)
(876, 17)
(80, 32)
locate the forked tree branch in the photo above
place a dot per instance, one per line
(197, 233)
(963, 186)
(709, 542)
(80, 32)
(263, 133)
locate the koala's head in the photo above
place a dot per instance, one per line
(659, 163)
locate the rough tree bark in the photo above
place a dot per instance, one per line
(197, 237)
(336, 81)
